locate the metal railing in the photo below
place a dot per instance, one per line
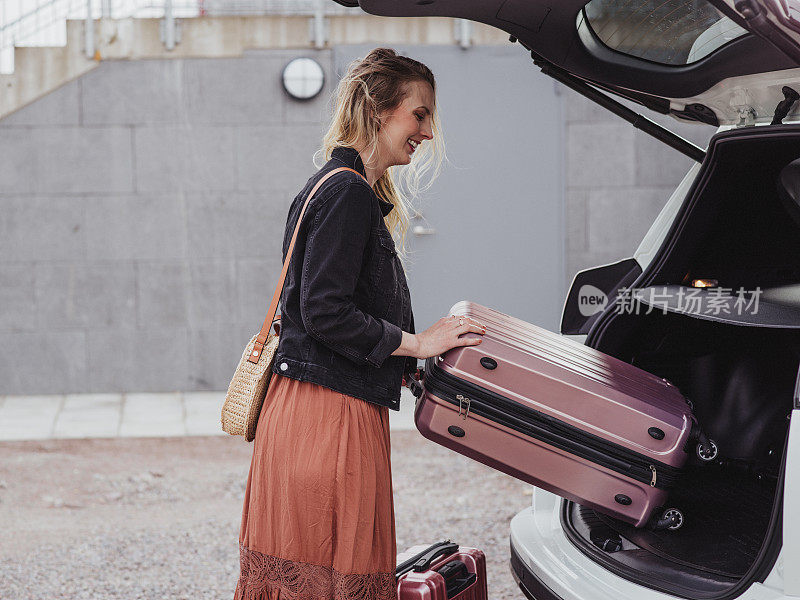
(43, 22)
(38, 23)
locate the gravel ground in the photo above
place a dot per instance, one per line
(158, 518)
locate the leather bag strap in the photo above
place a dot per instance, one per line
(273, 307)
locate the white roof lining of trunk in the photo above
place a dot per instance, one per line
(747, 100)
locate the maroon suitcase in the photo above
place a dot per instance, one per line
(443, 571)
(561, 416)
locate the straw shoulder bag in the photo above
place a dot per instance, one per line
(248, 388)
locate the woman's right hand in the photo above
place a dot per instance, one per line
(443, 335)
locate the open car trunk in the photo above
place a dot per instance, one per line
(740, 374)
(740, 381)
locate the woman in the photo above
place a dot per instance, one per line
(318, 518)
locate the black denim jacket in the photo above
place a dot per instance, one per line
(346, 301)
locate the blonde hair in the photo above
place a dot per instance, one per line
(372, 85)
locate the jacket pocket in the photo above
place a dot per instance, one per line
(385, 279)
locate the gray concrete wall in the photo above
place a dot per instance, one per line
(129, 259)
(617, 179)
(141, 213)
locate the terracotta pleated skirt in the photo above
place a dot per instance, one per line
(318, 517)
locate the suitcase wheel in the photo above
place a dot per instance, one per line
(674, 517)
(707, 450)
(671, 519)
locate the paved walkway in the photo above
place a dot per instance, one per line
(130, 415)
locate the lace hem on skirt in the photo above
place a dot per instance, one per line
(265, 577)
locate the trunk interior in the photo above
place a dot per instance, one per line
(740, 379)
(741, 382)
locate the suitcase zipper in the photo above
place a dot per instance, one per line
(462, 401)
(543, 427)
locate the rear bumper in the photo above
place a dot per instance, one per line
(547, 566)
(550, 567)
(528, 582)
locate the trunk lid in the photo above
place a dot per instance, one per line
(701, 60)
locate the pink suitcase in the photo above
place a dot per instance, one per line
(443, 571)
(561, 416)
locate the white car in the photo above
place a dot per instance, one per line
(731, 226)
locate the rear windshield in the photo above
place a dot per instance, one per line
(671, 32)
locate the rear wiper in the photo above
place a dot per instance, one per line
(784, 106)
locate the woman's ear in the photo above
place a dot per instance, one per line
(380, 117)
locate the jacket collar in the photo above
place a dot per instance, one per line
(351, 158)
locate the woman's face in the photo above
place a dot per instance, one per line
(407, 126)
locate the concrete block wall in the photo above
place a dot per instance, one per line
(128, 256)
(617, 180)
(40, 69)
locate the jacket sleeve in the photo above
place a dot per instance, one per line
(332, 262)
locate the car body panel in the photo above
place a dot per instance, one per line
(655, 236)
(791, 510)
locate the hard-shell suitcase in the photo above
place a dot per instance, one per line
(561, 416)
(442, 571)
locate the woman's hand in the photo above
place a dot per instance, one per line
(443, 335)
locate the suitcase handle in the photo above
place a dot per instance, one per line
(422, 561)
(416, 386)
(456, 577)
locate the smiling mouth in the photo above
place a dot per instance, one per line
(410, 146)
